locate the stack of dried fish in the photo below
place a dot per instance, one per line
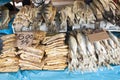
(79, 13)
(87, 56)
(31, 57)
(29, 18)
(8, 49)
(24, 17)
(106, 9)
(8, 59)
(4, 17)
(56, 52)
(83, 14)
(9, 64)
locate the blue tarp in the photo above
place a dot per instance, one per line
(105, 74)
(2, 2)
(9, 30)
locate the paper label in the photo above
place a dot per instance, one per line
(24, 39)
(98, 36)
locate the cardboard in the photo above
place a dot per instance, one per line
(98, 36)
(24, 39)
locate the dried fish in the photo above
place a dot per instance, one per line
(56, 52)
(89, 56)
(25, 65)
(63, 19)
(24, 17)
(4, 16)
(9, 64)
(62, 35)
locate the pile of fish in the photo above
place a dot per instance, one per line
(45, 52)
(88, 56)
(8, 58)
(24, 17)
(31, 58)
(31, 18)
(106, 9)
(82, 14)
(4, 17)
(56, 52)
(8, 49)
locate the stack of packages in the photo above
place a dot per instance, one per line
(8, 59)
(31, 58)
(56, 52)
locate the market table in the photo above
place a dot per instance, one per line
(101, 74)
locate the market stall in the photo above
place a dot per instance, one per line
(78, 41)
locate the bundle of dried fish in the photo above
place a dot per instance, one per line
(79, 13)
(63, 19)
(88, 56)
(56, 52)
(4, 17)
(49, 13)
(8, 49)
(108, 8)
(9, 64)
(66, 14)
(96, 10)
(83, 13)
(82, 53)
(31, 58)
(24, 17)
(8, 59)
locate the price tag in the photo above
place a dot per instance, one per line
(24, 39)
(98, 36)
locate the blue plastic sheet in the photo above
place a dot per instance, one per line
(2, 2)
(9, 30)
(104, 74)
